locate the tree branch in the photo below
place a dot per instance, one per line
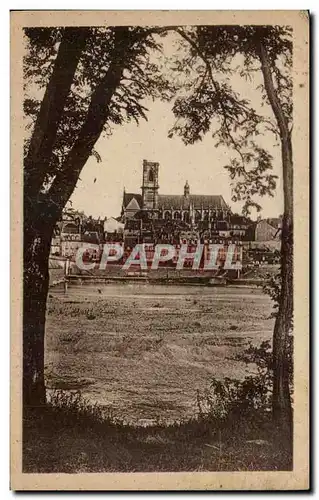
(215, 85)
(97, 115)
(285, 135)
(44, 134)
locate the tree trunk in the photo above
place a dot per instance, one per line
(39, 219)
(282, 411)
(37, 240)
(42, 211)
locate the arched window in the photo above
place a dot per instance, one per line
(151, 175)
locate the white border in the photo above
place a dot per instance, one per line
(4, 184)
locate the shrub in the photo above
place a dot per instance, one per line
(232, 398)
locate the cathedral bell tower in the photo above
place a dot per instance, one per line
(186, 190)
(150, 185)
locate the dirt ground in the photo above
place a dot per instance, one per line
(143, 351)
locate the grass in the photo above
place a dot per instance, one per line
(71, 436)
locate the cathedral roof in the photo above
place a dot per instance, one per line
(198, 201)
(176, 201)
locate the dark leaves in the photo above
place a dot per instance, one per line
(251, 176)
(209, 103)
(142, 79)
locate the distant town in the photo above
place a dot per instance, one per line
(151, 217)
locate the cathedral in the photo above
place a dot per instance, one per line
(188, 208)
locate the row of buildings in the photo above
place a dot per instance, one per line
(152, 217)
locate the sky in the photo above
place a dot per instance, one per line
(202, 164)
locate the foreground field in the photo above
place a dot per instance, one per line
(144, 351)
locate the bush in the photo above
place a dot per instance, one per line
(272, 287)
(232, 398)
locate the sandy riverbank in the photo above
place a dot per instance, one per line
(143, 350)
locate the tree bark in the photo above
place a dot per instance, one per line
(282, 410)
(37, 240)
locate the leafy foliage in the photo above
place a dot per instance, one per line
(212, 56)
(225, 42)
(141, 79)
(252, 181)
(230, 398)
(272, 287)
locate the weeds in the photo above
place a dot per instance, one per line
(74, 409)
(229, 401)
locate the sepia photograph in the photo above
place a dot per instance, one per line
(160, 215)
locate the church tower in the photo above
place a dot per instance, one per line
(186, 190)
(150, 184)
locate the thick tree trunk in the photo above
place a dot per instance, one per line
(39, 219)
(37, 240)
(42, 211)
(282, 411)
